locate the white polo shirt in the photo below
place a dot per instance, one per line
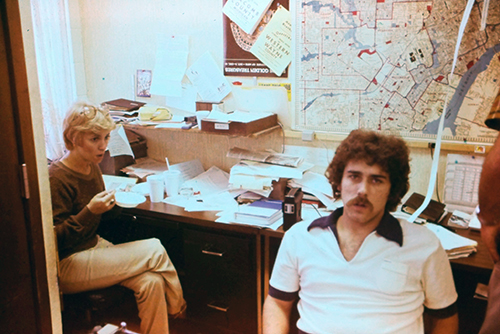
(399, 268)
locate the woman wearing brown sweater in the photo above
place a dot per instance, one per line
(87, 261)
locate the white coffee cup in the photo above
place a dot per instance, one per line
(201, 115)
(156, 188)
(172, 182)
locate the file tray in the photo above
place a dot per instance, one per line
(239, 128)
(433, 212)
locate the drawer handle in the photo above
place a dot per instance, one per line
(218, 308)
(211, 253)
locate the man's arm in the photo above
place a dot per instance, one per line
(434, 325)
(276, 316)
(489, 201)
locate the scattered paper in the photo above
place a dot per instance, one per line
(189, 169)
(315, 181)
(114, 182)
(144, 167)
(455, 245)
(212, 181)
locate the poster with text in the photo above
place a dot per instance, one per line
(238, 61)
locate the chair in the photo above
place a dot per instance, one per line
(98, 306)
(95, 305)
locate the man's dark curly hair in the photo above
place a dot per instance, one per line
(389, 152)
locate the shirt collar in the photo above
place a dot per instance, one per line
(388, 227)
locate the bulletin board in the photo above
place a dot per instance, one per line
(238, 61)
(385, 65)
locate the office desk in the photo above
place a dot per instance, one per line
(219, 265)
(225, 268)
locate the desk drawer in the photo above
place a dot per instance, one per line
(218, 254)
(220, 282)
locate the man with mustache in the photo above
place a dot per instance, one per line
(360, 270)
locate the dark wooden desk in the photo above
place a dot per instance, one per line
(201, 227)
(477, 263)
(220, 265)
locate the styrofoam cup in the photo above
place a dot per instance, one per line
(156, 189)
(172, 182)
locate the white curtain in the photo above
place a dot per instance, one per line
(54, 58)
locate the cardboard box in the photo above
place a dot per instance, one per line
(239, 128)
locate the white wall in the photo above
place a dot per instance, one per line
(119, 36)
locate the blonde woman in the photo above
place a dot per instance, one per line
(79, 202)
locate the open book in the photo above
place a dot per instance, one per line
(265, 157)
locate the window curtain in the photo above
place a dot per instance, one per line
(54, 59)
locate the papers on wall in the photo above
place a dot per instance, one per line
(186, 101)
(247, 14)
(118, 143)
(266, 157)
(462, 182)
(170, 66)
(208, 79)
(455, 245)
(274, 45)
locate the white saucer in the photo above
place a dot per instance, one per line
(127, 199)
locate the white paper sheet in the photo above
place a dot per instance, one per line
(171, 63)
(118, 143)
(189, 169)
(208, 79)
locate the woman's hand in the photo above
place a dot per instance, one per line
(102, 202)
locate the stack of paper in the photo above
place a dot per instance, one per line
(262, 213)
(455, 245)
(266, 157)
(258, 177)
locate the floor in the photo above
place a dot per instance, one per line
(75, 322)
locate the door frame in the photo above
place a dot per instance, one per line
(28, 210)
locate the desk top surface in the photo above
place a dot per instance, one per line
(200, 218)
(478, 263)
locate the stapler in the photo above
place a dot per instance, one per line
(190, 122)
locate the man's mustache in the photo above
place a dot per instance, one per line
(359, 201)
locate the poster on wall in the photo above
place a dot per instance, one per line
(238, 60)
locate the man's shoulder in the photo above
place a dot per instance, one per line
(303, 226)
(418, 234)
